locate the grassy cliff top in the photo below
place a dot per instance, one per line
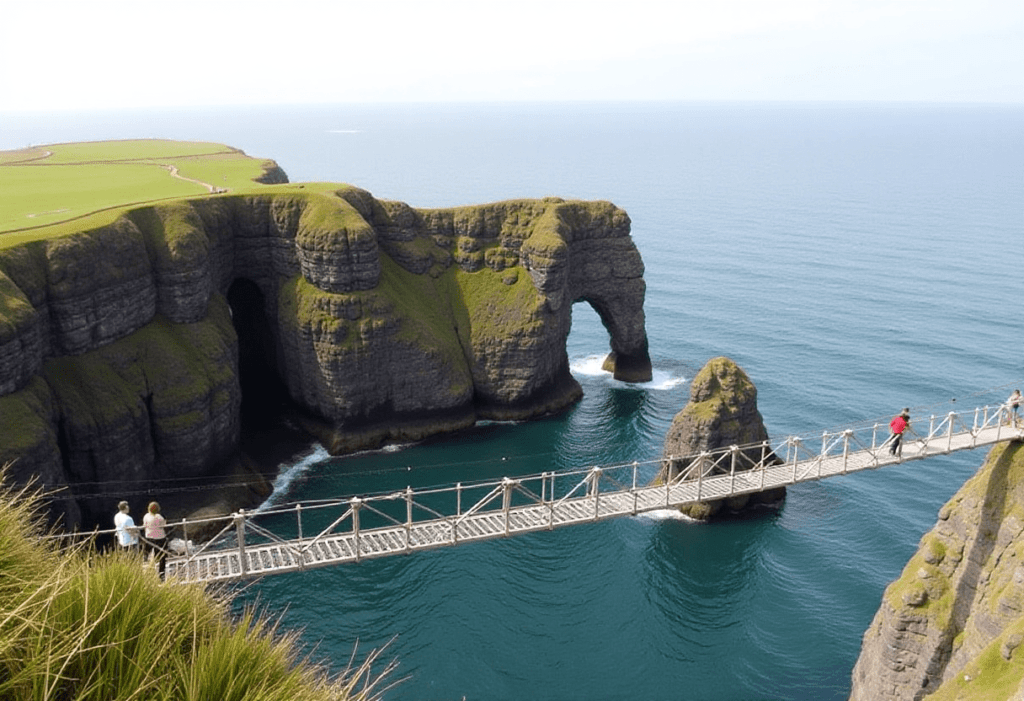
(44, 186)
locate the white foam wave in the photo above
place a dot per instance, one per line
(290, 473)
(662, 379)
(591, 366)
(394, 447)
(665, 515)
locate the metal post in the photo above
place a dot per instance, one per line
(551, 503)
(506, 500)
(668, 483)
(795, 444)
(635, 466)
(240, 532)
(408, 519)
(764, 462)
(298, 520)
(824, 447)
(596, 484)
(949, 434)
(356, 503)
(184, 534)
(458, 513)
(931, 428)
(975, 429)
(735, 450)
(700, 472)
(846, 447)
(874, 438)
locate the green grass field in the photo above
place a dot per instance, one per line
(48, 185)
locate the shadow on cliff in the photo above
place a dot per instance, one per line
(267, 436)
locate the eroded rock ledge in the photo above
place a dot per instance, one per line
(119, 360)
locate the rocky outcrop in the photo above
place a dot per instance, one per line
(119, 358)
(722, 412)
(951, 626)
(273, 174)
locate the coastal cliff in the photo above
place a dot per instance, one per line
(126, 349)
(951, 626)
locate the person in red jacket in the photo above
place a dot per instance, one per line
(898, 425)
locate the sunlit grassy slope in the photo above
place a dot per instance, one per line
(45, 185)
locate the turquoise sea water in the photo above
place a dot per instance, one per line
(853, 259)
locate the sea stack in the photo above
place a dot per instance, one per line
(722, 411)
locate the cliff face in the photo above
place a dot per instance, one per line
(950, 627)
(119, 359)
(722, 411)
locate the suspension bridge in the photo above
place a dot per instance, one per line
(276, 540)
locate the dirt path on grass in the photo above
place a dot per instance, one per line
(213, 189)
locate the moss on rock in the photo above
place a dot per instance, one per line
(959, 600)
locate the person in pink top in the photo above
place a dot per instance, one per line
(153, 525)
(898, 425)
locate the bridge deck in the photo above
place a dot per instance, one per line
(238, 559)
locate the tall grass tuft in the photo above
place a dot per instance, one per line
(83, 626)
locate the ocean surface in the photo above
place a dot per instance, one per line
(852, 258)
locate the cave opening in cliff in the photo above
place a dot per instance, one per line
(264, 395)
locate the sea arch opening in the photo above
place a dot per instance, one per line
(607, 321)
(588, 340)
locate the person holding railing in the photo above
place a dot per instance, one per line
(1013, 403)
(898, 425)
(124, 526)
(156, 536)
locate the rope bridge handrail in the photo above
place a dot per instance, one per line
(249, 543)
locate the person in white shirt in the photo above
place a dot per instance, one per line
(127, 534)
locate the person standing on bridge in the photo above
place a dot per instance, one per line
(156, 536)
(1013, 403)
(124, 525)
(898, 425)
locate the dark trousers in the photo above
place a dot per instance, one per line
(157, 546)
(897, 438)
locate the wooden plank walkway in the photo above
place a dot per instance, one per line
(594, 498)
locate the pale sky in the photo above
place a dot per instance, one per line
(78, 54)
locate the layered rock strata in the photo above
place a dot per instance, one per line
(952, 625)
(119, 360)
(722, 412)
